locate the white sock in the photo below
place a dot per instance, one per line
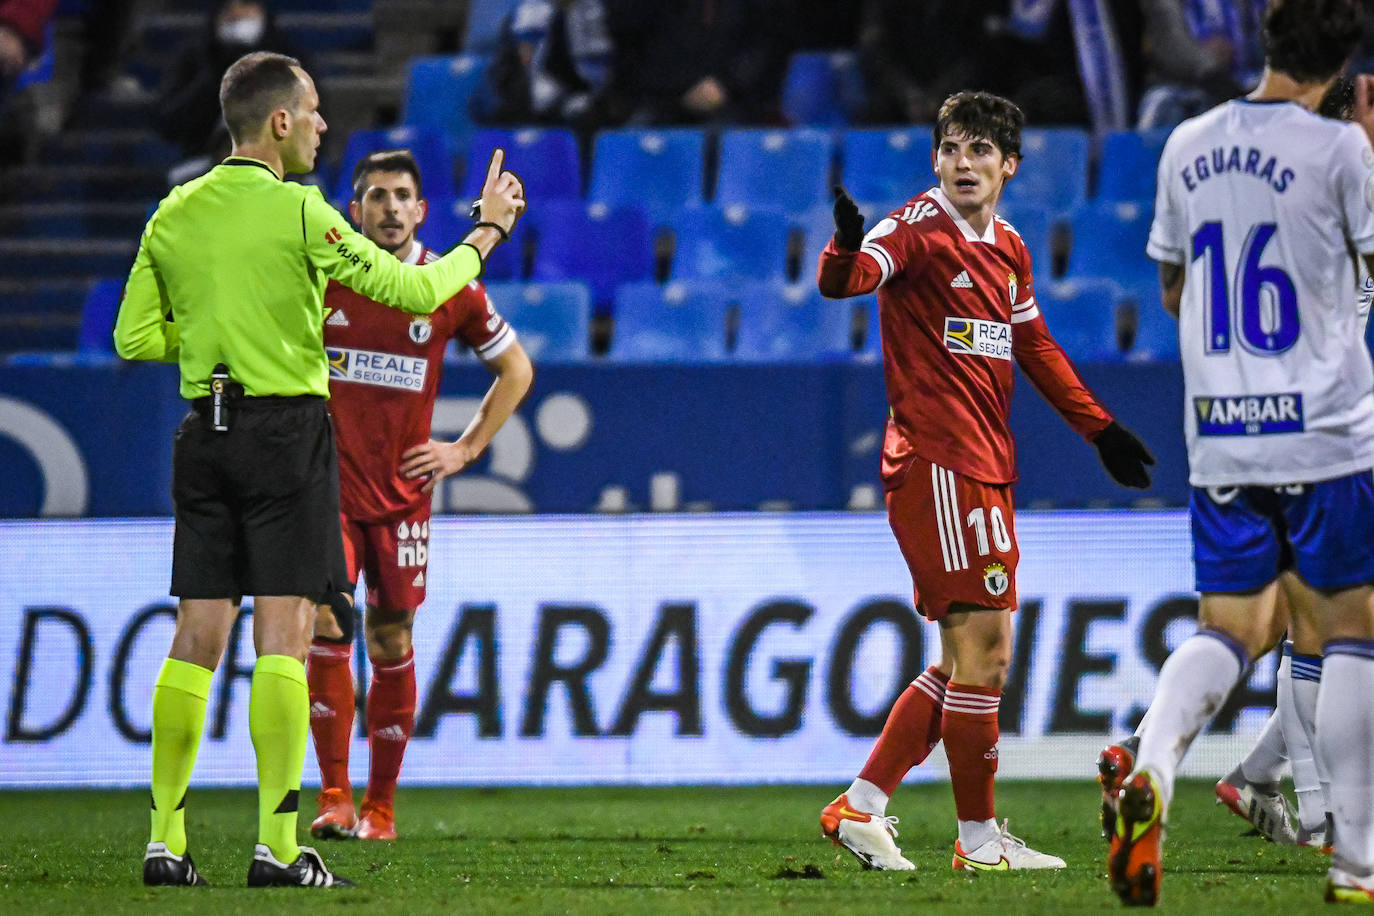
(1193, 684)
(973, 834)
(1263, 766)
(866, 797)
(1345, 744)
(1297, 715)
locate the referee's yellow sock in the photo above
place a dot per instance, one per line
(279, 720)
(178, 719)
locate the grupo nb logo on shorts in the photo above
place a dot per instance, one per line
(412, 543)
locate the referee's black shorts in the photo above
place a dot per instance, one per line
(257, 507)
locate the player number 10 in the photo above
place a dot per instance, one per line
(1000, 536)
(1260, 333)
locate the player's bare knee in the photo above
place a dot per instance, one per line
(326, 624)
(389, 633)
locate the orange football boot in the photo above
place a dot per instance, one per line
(378, 822)
(1135, 857)
(337, 819)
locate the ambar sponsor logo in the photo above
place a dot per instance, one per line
(1249, 415)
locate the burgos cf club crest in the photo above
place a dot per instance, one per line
(995, 579)
(1011, 288)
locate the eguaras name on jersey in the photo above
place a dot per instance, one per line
(1223, 160)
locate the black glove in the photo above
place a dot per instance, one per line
(1124, 456)
(849, 222)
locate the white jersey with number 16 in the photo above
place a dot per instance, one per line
(1265, 204)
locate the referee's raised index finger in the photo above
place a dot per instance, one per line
(498, 158)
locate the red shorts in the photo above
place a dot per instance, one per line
(392, 556)
(958, 536)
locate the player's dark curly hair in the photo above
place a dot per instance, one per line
(1311, 40)
(387, 160)
(981, 114)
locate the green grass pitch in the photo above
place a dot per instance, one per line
(638, 850)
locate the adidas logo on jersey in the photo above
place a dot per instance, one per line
(390, 733)
(419, 579)
(320, 711)
(963, 281)
(337, 320)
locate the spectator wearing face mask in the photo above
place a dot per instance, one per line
(188, 103)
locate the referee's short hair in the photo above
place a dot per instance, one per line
(253, 87)
(387, 160)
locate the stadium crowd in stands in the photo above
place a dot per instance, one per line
(127, 90)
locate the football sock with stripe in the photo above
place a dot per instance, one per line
(179, 698)
(279, 720)
(1298, 713)
(970, 735)
(912, 730)
(1345, 733)
(329, 672)
(390, 722)
(1193, 684)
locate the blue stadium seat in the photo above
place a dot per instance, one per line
(437, 93)
(1130, 160)
(866, 315)
(552, 319)
(545, 159)
(428, 144)
(722, 242)
(1054, 168)
(1036, 230)
(1109, 241)
(1156, 337)
(95, 334)
(682, 321)
(787, 170)
(887, 164)
(822, 88)
(791, 321)
(485, 18)
(602, 246)
(448, 222)
(1082, 315)
(660, 170)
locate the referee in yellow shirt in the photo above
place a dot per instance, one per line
(228, 282)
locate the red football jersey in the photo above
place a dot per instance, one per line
(955, 309)
(384, 371)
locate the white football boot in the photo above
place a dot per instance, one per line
(1003, 852)
(868, 836)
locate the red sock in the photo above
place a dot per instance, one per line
(329, 672)
(971, 744)
(911, 732)
(390, 721)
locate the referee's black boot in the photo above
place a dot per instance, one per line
(308, 870)
(163, 868)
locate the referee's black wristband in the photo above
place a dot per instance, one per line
(505, 236)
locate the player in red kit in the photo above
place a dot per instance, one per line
(956, 307)
(384, 369)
